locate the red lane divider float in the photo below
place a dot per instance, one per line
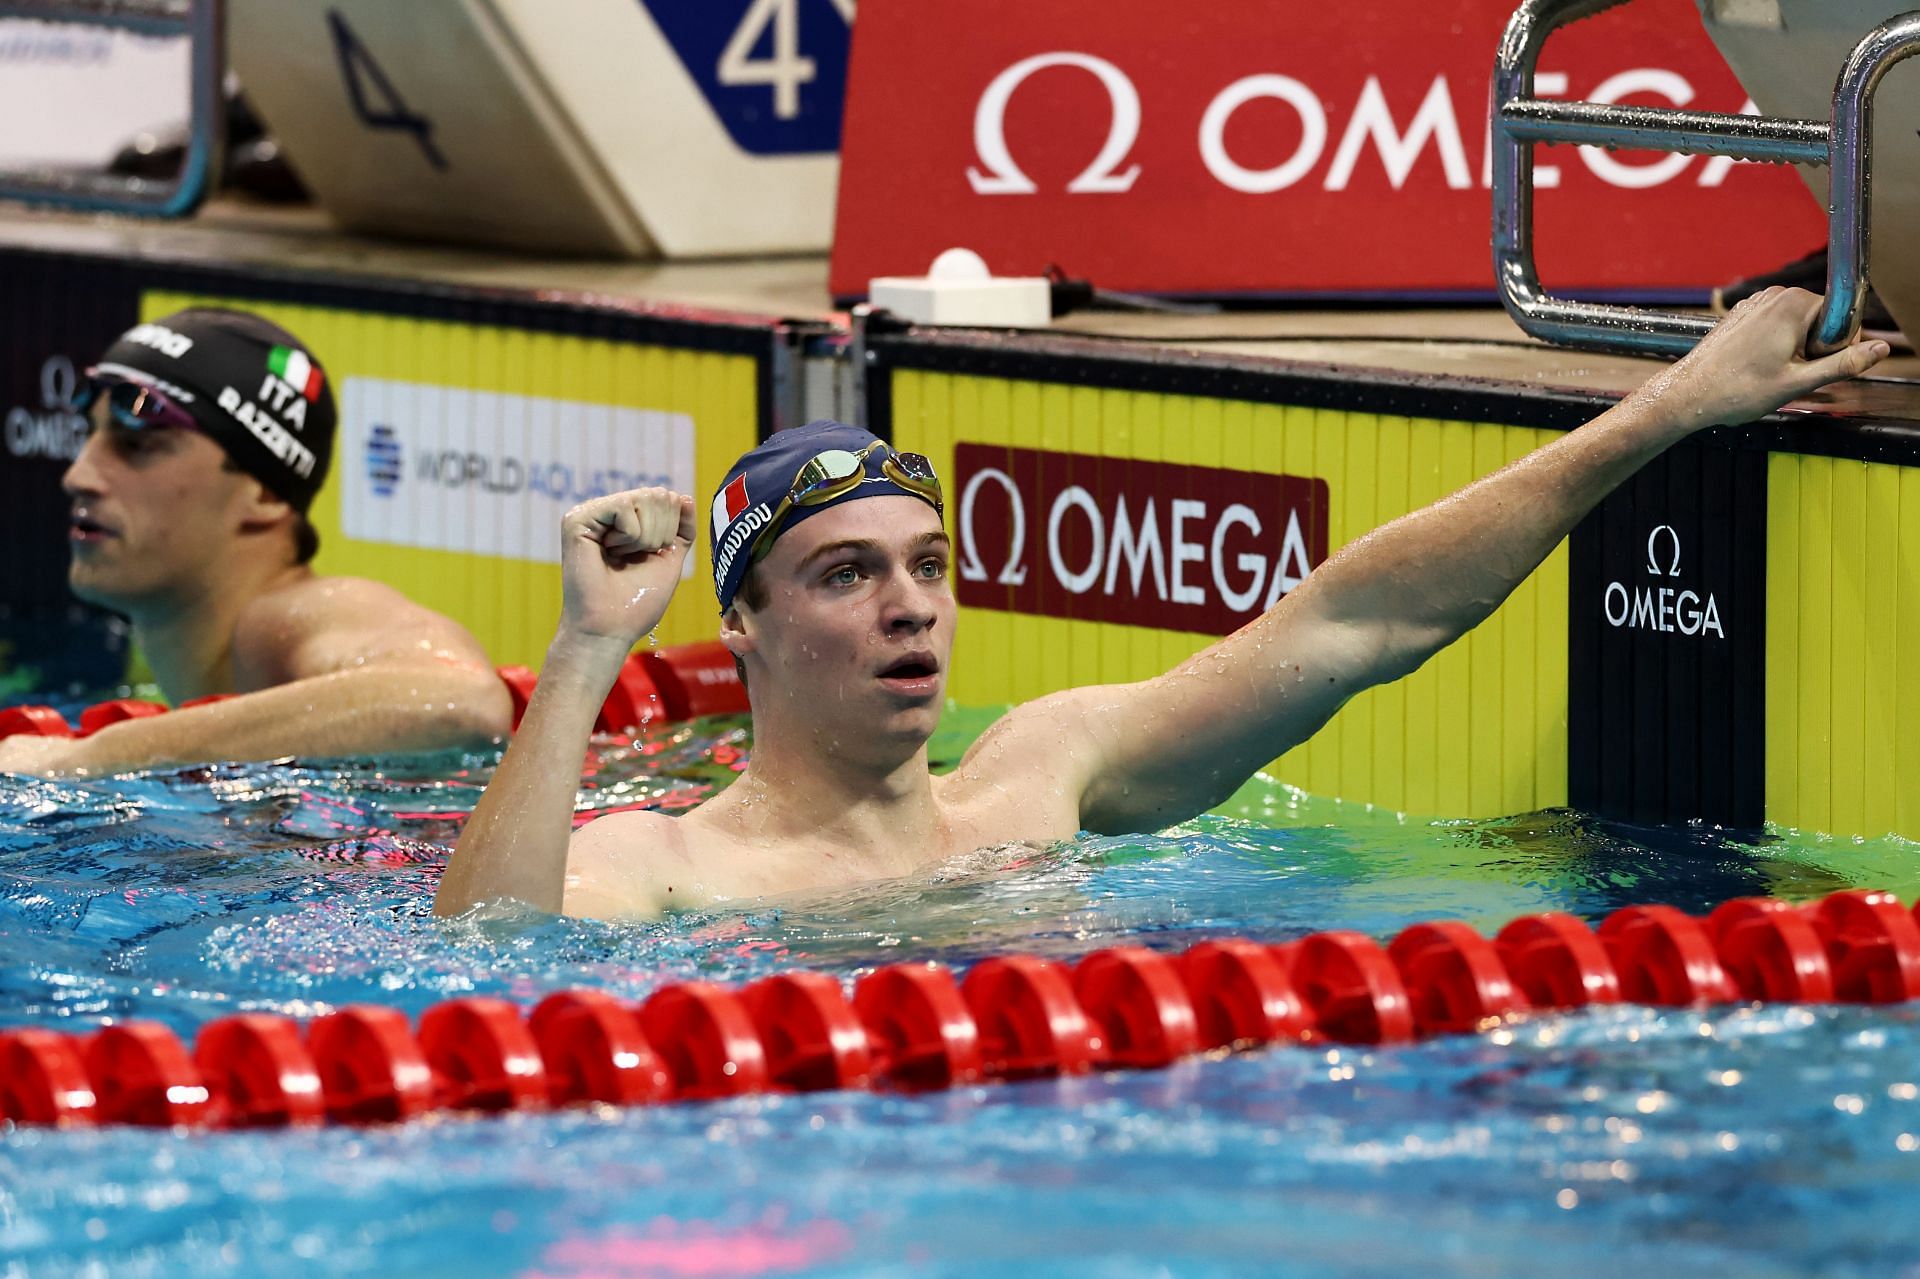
(812, 1037)
(1349, 983)
(44, 1080)
(1030, 1022)
(142, 1075)
(1771, 950)
(372, 1070)
(103, 714)
(695, 680)
(670, 684)
(707, 1038)
(1242, 995)
(1557, 962)
(922, 1033)
(1664, 956)
(633, 701)
(520, 681)
(34, 721)
(914, 1027)
(1139, 1006)
(1872, 944)
(594, 1051)
(259, 1072)
(483, 1056)
(1454, 977)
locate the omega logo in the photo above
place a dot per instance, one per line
(990, 129)
(57, 432)
(1662, 608)
(1134, 543)
(1014, 571)
(1653, 553)
(1119, 540)
(1435, 127)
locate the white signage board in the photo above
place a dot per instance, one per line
(632, 127)
(453, 469)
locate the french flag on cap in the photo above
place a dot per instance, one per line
(727, 504)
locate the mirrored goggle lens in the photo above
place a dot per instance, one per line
(134, 406)
(826, 473)
(142, 406)
(916, 472)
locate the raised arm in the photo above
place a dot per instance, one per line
(1162, 750)
(339, 666)
(620, 563)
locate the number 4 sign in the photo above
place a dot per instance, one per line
(367, 85)
(633, 127)
(774, 71)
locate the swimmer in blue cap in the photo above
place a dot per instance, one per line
(830, 562)
(210, 434)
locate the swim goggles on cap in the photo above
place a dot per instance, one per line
(833, 473)
(134, 405)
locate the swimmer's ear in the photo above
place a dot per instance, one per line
(734, 633)
(264, 508)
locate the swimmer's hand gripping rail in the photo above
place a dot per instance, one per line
(1520, 120)
(203, 23)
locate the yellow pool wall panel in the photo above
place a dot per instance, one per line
(1479, 731)
(509, 604)
(1843, 646)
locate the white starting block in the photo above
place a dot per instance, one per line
(632, 127)
(1786, 53)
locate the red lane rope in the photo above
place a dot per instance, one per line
(654, 686)
(913, 1027)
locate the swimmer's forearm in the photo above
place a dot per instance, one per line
(1370, 614)
(1422, 581)
(515, 844)
(373, 709)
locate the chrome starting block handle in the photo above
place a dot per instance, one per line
(1520, 121)
(203, 24)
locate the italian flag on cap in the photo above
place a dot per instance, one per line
(296, 370)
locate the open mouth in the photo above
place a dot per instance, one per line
(82, 528)
(915, 673)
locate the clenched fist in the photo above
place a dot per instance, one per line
(620, 559)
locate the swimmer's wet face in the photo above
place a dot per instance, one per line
(151, 509)
(854, 639)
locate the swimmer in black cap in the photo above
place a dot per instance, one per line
(211, 435)
(831, 567)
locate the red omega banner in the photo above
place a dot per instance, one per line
(1183, 548)
(1280, 147)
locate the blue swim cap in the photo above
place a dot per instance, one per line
(766, 475)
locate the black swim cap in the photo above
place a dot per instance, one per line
(249, 384)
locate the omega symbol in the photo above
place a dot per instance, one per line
(58, 383)
(1005, 177)
(1653, 557)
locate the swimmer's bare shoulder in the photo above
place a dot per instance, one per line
(643, 863)
(316, 625)
(624, 865)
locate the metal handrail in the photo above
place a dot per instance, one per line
(1521, 120)
(203, 24)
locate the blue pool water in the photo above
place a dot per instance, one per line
(1757, 1140)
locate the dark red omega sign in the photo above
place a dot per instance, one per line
(1180, 548)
